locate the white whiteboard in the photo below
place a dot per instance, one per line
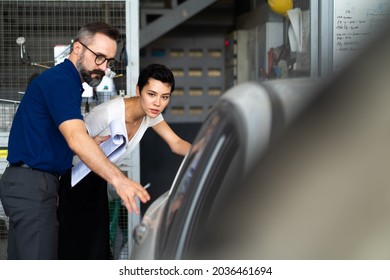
(355, 23)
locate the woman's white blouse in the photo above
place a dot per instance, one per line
(99, 118)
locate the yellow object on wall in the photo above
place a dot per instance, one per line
(280, 6)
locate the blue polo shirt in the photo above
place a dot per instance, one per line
(50, 99)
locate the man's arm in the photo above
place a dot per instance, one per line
(91, 154)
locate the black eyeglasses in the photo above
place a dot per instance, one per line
(100, 59)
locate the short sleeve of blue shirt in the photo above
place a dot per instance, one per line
(62, 95)
(51, 98)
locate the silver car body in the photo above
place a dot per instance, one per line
(237, 131)
(322, 192)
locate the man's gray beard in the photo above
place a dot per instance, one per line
(86, 75)
(93, 82)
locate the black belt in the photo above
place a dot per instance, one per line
(23, 165)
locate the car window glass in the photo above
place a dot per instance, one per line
(204, 168)
(198, 149)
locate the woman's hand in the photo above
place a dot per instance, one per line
(100, 139)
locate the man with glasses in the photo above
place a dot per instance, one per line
(48, 129)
